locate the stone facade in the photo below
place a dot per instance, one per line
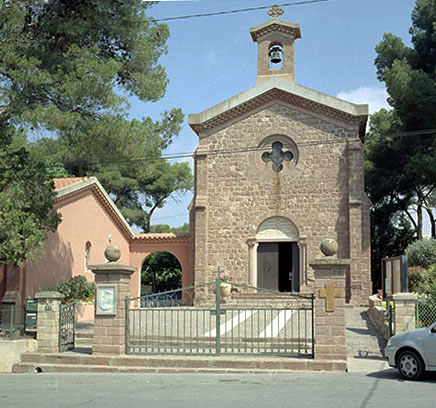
(320, 192)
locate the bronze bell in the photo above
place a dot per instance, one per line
(275, 55)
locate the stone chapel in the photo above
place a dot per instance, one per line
(278, 169)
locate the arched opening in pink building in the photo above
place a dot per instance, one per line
(161, 272)
(143, 245)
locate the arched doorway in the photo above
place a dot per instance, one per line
(161, 272)
(278, 255)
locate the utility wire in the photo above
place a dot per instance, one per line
(244, 10)
(218, 152)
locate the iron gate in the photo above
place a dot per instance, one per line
(198, 320)
(66, 326)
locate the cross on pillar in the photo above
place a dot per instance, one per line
(330, 293)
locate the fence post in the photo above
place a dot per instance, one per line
(112, 282)
(48, 321)
(404, 312)
(218, 311)
(330, 308)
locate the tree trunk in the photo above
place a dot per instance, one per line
(412, 220)
(432, 222)
(419, 220)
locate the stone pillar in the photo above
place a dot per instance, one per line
(112, 282)
(404, 312)
(48, 321)
(112, 288)
(330, 308)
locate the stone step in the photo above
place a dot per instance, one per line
(77, 362)
(83, 335)
(73, 368)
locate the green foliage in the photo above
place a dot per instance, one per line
(157, 228)
(61, 61)
(162, 270)
(67, 69)
(422, 253)
(423, 281)
(77, 288)
(415, 278)
(400, 172)
(26, 201)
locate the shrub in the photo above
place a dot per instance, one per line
(77, 288)
(423, 281)
(416, 278)
(422, 253)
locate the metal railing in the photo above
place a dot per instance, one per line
(198, 320)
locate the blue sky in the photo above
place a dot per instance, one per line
(211, 59)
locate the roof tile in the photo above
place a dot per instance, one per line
(64, 182)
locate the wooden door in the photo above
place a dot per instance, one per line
(268, 265)
(295, 267)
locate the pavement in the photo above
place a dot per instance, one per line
(364, 344)
(295, 390)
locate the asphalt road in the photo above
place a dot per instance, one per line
(355, 390)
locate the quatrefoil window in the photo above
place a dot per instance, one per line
(277, 156)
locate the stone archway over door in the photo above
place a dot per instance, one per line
(278, 255)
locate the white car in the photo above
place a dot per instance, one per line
(413, 352)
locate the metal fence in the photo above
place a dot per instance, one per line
(199, 320)
(425, 312)
(11, 320)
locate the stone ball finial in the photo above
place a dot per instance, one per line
(329, 247)
(112, 253)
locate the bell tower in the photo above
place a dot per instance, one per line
(275, 50)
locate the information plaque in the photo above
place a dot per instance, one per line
(106, 300)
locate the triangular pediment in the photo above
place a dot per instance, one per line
(67, 188)
(287, 92)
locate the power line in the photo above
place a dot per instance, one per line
(247, 149)
(243, 10)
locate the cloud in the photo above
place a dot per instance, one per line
(374, 97)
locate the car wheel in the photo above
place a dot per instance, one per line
(410, 365)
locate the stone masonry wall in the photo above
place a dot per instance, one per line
(322, 194)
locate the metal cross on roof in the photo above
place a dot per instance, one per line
(275, 11)
(277, 156)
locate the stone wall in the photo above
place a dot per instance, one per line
(11, 350)
(378, 316)
(322, 194)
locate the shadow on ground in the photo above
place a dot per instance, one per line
(393, 374)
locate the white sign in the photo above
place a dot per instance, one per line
(106, 300)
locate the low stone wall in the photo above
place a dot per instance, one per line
(11, 350)
(377, 314)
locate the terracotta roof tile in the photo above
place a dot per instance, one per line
(64, 182)
(162, 237)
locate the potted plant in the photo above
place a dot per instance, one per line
(225, 285)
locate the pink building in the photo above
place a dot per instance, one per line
(90, 220)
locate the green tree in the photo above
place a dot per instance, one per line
(26, 201)
(422, 253)
(162, 270)
(402, 170)
(67, 69)
(166, 228)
